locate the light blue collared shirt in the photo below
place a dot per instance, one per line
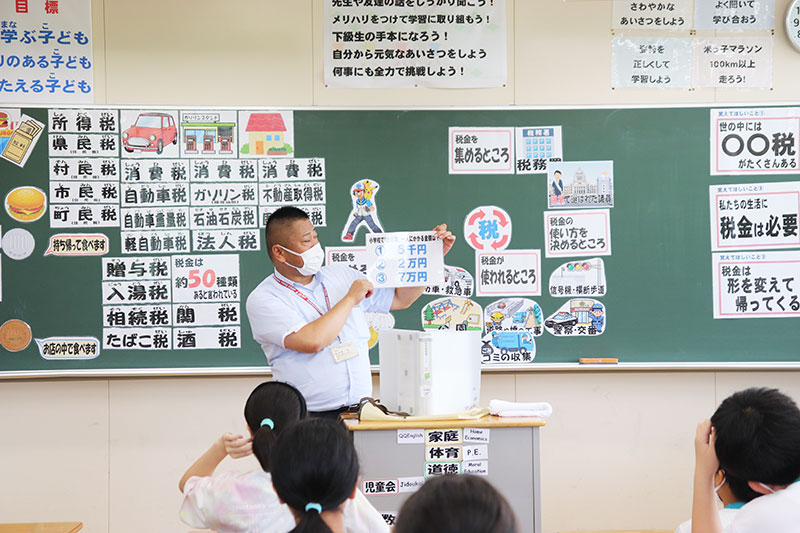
(276, 311)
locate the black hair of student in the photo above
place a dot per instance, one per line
(557, 172)
(314, 461)
(456, 504)
(279, 402)
(279, 219)
(758, 436)
(740, 489)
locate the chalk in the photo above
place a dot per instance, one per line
(598, 360)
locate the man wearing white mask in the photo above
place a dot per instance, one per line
(310, 320)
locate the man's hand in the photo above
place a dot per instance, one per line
(448, 239)
(706, 462)
(237, 446)
(360, 289)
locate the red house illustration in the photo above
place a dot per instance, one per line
(267, 134)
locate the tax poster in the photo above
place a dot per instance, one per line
(755, 140)
(756, 284)
(404, 259)
(752, 216)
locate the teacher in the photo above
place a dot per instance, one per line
(310, 320)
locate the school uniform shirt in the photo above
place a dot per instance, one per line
(245, 502)
(726, 516)
(778, 512)
(276, 312)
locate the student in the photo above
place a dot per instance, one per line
(754, 435)
(246, 501)
(315, 472)
(310, 320)
(456, 504)
(732, 492)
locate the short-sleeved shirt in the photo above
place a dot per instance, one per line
(726, 516)
(778, 512)
(245, 502)
(276, 312)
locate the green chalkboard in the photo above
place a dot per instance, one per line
(659, 276)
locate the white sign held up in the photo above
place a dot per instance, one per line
(404, 259)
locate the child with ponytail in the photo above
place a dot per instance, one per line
(246, 501)
(315, 472)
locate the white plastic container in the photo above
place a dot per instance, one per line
(431, 372)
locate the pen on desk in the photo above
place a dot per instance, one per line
(598, 360)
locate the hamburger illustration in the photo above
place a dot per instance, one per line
(26, 204)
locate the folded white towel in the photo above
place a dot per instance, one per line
(504, 408)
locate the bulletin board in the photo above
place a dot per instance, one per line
(659, 273)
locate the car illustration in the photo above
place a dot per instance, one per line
(561, 319)
(150, 133)
(460, 278)
(512, 341)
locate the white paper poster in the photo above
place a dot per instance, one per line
(508, 273)
(354, 257)
(584, 277)
(669, 16)
(137, 338)
(206, 338)
(756, 284)
(266, 134)
(537, 146)
(162, 218)
(755, 215)
(459, 314)
(206, 314)
(580, 184)
(577, 233)
(148, 133)
(88, 168)
(511, 325)
(47, 51)
(734, 15)
(85, 215)
(457, 282)
(154, 242)
(404, 259)
(651, 62)
(209, 134)
(732, 62)
(379, 486)
(578, 317)
(205, 278)
(488, 228)
(316, 214)
(755, 140)
(476, 150)
(430, 44)
(126, 268)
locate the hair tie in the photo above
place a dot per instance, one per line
(268, 422)
(317, 507)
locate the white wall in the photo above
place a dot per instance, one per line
(617, 453)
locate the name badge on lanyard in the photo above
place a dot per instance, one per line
(342, 351)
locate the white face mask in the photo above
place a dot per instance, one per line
(716, 489)
(312, 260)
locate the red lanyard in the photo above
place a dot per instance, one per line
(305, 298)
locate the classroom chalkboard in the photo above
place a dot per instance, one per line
(659, 274)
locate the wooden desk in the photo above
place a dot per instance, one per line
(513, 460)
(42, 527)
